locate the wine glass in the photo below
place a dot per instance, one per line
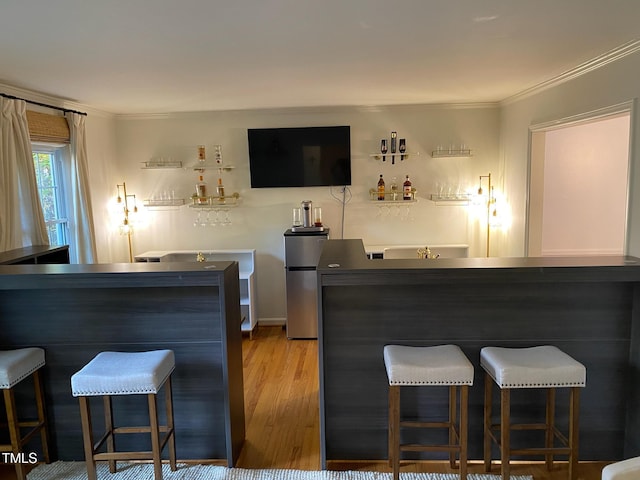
(383, 148)
(402, 147)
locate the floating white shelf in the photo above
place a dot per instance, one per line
(174, 202)
(211, 203)
(451, 153)
(455, 199)
(159, 164)
(391, 197)
(399, 156)
(211, 165)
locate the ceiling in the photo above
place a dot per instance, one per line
(160, 56)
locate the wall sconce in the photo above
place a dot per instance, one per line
(125, 227)
(491, 206)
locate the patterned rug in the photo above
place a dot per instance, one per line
(137, 471)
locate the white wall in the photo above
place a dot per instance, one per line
(609, 85)
(264, 214)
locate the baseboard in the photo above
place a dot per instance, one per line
(272, 322)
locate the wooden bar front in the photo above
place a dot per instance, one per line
(589, 307)
(77, 311)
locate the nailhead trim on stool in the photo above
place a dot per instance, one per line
(16, 366)
(535, 367)
(126, 373)
(442, 365)
(624, 470)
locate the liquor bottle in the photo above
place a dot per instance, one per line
(406, 189)
(381, 188)
(220, 190)
(201, 190)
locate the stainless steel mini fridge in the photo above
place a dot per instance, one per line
(302, 252)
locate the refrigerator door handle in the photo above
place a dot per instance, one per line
(300, 269)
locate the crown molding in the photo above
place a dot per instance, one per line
(53, 101)
(611, 56)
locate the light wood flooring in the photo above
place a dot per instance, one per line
(282, 419)
(281, 395)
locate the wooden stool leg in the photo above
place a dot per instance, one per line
(108, 425)
(574, 409)
(453, 398)
(14, 430)
(87, 437)
(463, 429)
(505, 432)
(155, 436)
(42, 416)
(551, 415)
(170, 424)
(488, 386)
(394, 430)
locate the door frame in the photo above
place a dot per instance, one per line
(627, 107)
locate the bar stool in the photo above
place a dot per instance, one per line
(15, 366)
(442, 365)
(536, 367)
(624, 470)
(122, 373)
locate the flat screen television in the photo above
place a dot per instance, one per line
(299, 157)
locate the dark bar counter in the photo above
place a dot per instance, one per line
(587, 306)
(77, 311)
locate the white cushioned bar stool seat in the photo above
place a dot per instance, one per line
(16, 366)
(126, 373)
(417, 366)
(123, 373)
(545, 367)
(624, 470)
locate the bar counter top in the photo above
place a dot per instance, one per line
(349, 255)
(587, 306)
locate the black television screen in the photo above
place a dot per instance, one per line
(299, 157)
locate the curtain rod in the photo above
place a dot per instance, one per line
(65, 110)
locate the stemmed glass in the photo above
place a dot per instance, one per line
(383, 149)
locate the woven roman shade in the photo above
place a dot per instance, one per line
(44, 127)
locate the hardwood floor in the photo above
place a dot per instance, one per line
(282, 419)
(281, 395)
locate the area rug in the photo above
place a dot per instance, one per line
(137, 471)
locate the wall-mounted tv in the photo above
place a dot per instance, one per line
(299, 157)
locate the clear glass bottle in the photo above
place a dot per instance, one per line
(394, 188)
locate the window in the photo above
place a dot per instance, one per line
(48, 166)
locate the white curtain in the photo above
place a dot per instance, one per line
(21, 218)
(83, 245)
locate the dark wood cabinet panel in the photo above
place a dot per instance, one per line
(75, 312)
(587, 307)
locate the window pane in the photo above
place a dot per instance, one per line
(51, 197)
